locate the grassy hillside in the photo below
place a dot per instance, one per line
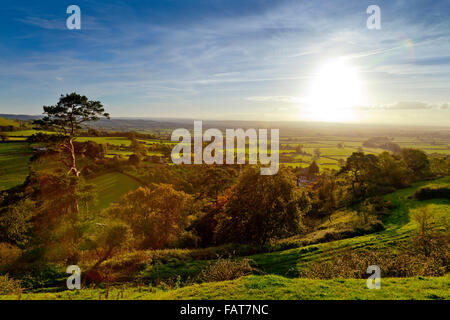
(288, 263)
(399, 228)
(270, 287)
(280, 269)
(275, 287)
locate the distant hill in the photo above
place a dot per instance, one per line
(123, 124)
(289, 128)
(115, 124)
(22, 117)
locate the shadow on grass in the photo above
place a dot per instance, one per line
(289, 262)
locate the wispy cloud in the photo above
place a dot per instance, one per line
(231, 58)
(50, 24)
(408, 105)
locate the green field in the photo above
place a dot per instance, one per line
(110, 187)
(26, 133)
(8, 122)
(270, 287)
(118, 141)
(14, 157)
(330, 153)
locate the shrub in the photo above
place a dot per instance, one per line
(408, 263)
(433, 245)
(15, 222)
(41, 276)
(425, 219)
(378, 207)
(226, 269)
(432, 193)
(9, 285)
(8, 253)
(187, 240)
(111, 240)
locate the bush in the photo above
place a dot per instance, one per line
(8, 253)
(187, 240)
(378, 207)
(428, 193)
(226, 269)
(433, 245)
(43, 276)
(9, 285)
(425, 219)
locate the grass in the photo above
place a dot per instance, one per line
(270, 287)
(118, 141)
(26, 133)
(399, 228)
(275, 287)
(112, 186)
(8, 122)
(14, 168)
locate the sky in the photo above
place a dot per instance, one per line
(231, 59)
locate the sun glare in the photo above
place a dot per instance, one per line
(334, 93)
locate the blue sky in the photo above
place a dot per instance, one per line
(230, 59)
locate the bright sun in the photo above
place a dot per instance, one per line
(335, 92)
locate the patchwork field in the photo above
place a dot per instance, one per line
(332, 148)
(337, 148)
(332, 151)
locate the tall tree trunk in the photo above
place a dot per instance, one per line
(73, 167)
(75, 172)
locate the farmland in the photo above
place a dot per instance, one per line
(332, 150)
(117, 164)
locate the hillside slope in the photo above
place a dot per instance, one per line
(271, 288)
(281, 268)
(288, 263)
(399, 228)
